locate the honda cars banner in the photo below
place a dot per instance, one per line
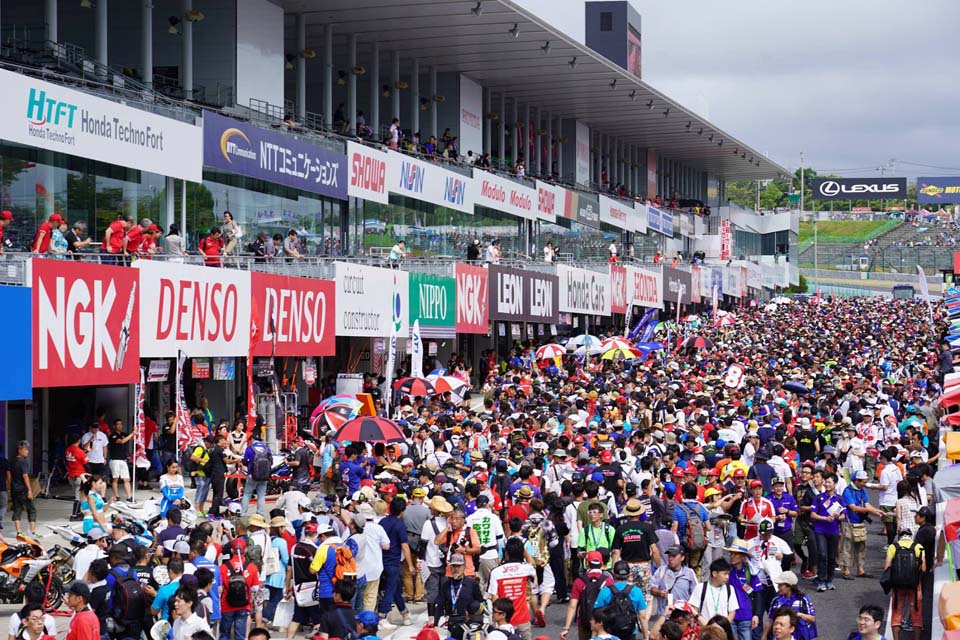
(429, 182)
(86, 324)
(938, 190)
(584, 291)
(15, 383)
(368, 173)
(858, 188)
(472, 299)
(523, 296)
(371, 301)
(201, 311)
(504, 194)
(294, 316)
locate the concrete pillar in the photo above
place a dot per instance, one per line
(328, 76)
(50, 15)
(548, 147)
(394, 91)
(525, 140)
(559, 138)
(374, 120)
(101, 33)
(434, 91)
(415, 99)
(515, 138)
(351, 84)
(301, 66)
(186, 52)
(146, 43)
(597, 158)
(485, 123)
(169, 208)
(502, 131)
(537, 143)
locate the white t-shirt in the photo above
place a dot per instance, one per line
(184, 629)
(710, 600)
(49, 624)
(889, 478)
(291, 502)
(99, 440)
(83, 559)
(432, 557)
(370, 544)
(489, 531)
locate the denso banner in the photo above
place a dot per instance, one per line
(429, 182)
(16, 383)
(677, 285)
(246, 149)
(472, 299)
(858, 188)
(87, 327)
(616, 213)
(371, 301)
(294, 316)
(504, 194)
(368, 173)
(523, 296)
(53, 117)
(201, 311)
(631, 285)
(938, 190)
(584, 291)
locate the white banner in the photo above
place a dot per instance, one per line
(550, 201)
(640, 217)
(584, 291)
(731, 281)
(368, 173)
(646, 287)
(616, 213)
(416, 352)
(371, 301)
(471, 117)
(754, 275)
(582, 142)
(52, 117)
(202, 311)
(430, 182)
(504, 194)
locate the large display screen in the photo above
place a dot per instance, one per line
(633, 51)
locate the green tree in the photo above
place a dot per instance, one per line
(772, 197)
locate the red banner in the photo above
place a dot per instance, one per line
(473, 314)
(618, 289)
(726, 240)
(303, 315)
(86, 324)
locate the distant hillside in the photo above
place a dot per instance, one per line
(844, 231)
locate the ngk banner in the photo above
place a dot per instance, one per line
(618, 288)
(294, 316)
(858, 188)
(201, 311)
(472, 307)
(504, 194)
(371, 301)
(523, 296)
(368, 173)
(429, 182)
(632, 286)
(86, 324)
(584, 291)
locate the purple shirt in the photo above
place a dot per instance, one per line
(790, 503)
(821, 506)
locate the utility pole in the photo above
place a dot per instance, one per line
(816, 258)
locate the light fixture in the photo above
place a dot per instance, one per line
(688, 125)
(86, 4)
(633, 94)
(650, 105)
(341, 77)
(309, 54)
(700, 133)
(573, 62)
(385, 90)
(710, 138)
(174, 23)
(440, 98)
(194, 15)
(358, 70)
(613, 84)
(288, 65)
(477, 10)
(666, 112)
(545, 49)
(401, 85)
(515, 31)
(493, 115)
(424, 103)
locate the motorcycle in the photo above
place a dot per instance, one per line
(23, 562)
(148, 513)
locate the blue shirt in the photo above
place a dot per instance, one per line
(161, 602)
(397, 533)
(680, 516)
(858, 497)
(277, 579)
(788, 502)
(744, 584)
(605, 596)
(351, 474)
(203, 561)
(821, 504)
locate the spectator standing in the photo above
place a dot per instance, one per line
(133, 238)
(789, 595)
(58, 242)
(212, 247)
(259, 463)
(473, 252)
(21, 489)
(6, 218)
(44, 235)
(514, 579)
(674, 581)
(260, 253)
(84, 625)
(493, 252)
(186, 621)
(399, 552)
(927, 538)
(200, 460)
(237, 594)
(460, 597)
(275, 246)
(231, 233)
(76, 459)
(682, 512)
(306, 609)
(394, 136)
(119, 449)
(635, 542)
(275, 570)
(549, 255)
(173, 244)
(397, 253)
(290, 250)
(869, 622)
(853, 531)
(113, 237)
(715, 596)
(583, 595)
(905, 559)
(623, 626)
(827, 513)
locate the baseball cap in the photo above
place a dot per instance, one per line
(606, 456)
(740, 473)
(96, 534)
(777, 480)
(595, 559)
(309, 527)
(419, 492)
(861, 475)
(6, 215)
(426, 633)
(927, 513)
(691, 470)
(560, 453)
(709, 493)
(457, 558)
(367, 618)
(79, 588)
(324, 529)
(677, 471)
(756, 483)
(389, 489)
(675, 550)
(56, 218)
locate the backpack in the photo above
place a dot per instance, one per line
(624, 615)
(129, 602)
(695, 537)
(905, 567)
(188, 463)
(538, 541)
(591, 589)
(346, 565)
(262, 467)
(237, 595)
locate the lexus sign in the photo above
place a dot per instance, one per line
(859, 188)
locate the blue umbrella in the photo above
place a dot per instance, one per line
(651, 346)
(438, 372)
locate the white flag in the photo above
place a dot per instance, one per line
(388, 377)
(416, 352)
(925, 292)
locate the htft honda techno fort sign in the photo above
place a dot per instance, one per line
(859, 188)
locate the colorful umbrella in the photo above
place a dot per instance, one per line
(593, 350)
(326, 402)
(550, 351)
(442, 384)
(369, 429)
(616, 342)
(415, 387)
(727, 320)
(626, 354)
(692, 318)
(337, 414)
(580, 340)
(696, 342)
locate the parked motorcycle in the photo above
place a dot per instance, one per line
(21, 563)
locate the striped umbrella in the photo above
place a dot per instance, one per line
(335, 414)
(369, 429)
(616, 342)
(582, 339)
(415, 387)
(696, 342)
(550, 351)
(442, 384)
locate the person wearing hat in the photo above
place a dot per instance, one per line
(906, 609)
(559, 470)
(747, 586)
(44, 235)
(368, 624)
(853, 531)
(890, 477)
(460, 597)
(926, 537)
(635, 542)
(674, 581)
(490, 533)
(625, 629)
(303, 581)
(99, 542)
(754, 509)
(590, 582)
(275, 562)
(414, 517)
(786, 509)
(789, 595)
(84, 625)
(521, 506)
(236, 607)
(433, 553)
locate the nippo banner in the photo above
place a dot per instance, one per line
(202, 311)
(429, 182)
(584, 291)
(368, 173)
(86, 324)
(472, 304)
(294, 316)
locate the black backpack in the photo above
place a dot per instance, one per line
(905, 568)
(591, 589)
(262, 467)
(237, 595)
(624, 615)
(129, 603)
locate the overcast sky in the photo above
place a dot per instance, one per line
(851, 83)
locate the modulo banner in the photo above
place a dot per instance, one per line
(858, 188)
(429, 182)
(523, 296)
(938, 190)
(371, 302)
(294, 316)
(472, 299)
(51, 117)
(584, 291)
(504, 194)
(246, 149)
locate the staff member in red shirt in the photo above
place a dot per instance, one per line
(76, 459)
(85, 625)
(212, 246)
(134, 237)
(114, 235)
(41, 241)
(148, 246)
(5, 218)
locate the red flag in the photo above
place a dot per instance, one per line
(254, 341)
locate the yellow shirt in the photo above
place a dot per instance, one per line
(732, 466)
(906, 544)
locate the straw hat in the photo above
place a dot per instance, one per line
(438, 503)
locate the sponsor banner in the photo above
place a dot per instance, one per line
(726, 240)
(198, 310)
(582, 142)
(294, 316)
(618, 289)
(587, 208)
(16, 382)
(523, 296)
(938, 190)
(716, 280)
(858, 188)
(87, 327)
(687, 228)
(429, 182)
(677, 285)
(584, 291)
(695, 285)
(504, 194)
(754, 276)
(471, 117)
(731, 281)
(243, 148)
(433, 303)
(639, 220)
(550, 201)
(372, 301)
(660, 221)
(632, 286)
(862, 209)
(368, 173)
(52, 117)
(743, 282)
(616, 213)
(472, 299)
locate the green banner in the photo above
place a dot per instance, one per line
(433, 300)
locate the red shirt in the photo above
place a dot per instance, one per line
(47, 231)
(116, 237)
(85, 625)
(149, 432)
(134, 238)
(251, 576)
(76, 458)
(147, 245)
(211, 247)
(755, 510)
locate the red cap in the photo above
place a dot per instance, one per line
(56, 218)
(427, 633)
(606, 456)
(678, 471)
(310, 527)
(153, 228)
(755, 483)
(739, 473)
(6, 215)
(595, 558)
(238, 546)
(692, 470)
(389, 489)
(712, 473)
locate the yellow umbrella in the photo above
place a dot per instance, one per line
(619, 352)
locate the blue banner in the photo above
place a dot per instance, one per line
(938, 190)
(716, 280)
(16, 381)
(666, 223)
(240, 147)
(653, 219)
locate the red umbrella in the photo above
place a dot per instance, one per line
(697, 342)
(442, 384)
(550, 351)
(369, 429)
(415, 387)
